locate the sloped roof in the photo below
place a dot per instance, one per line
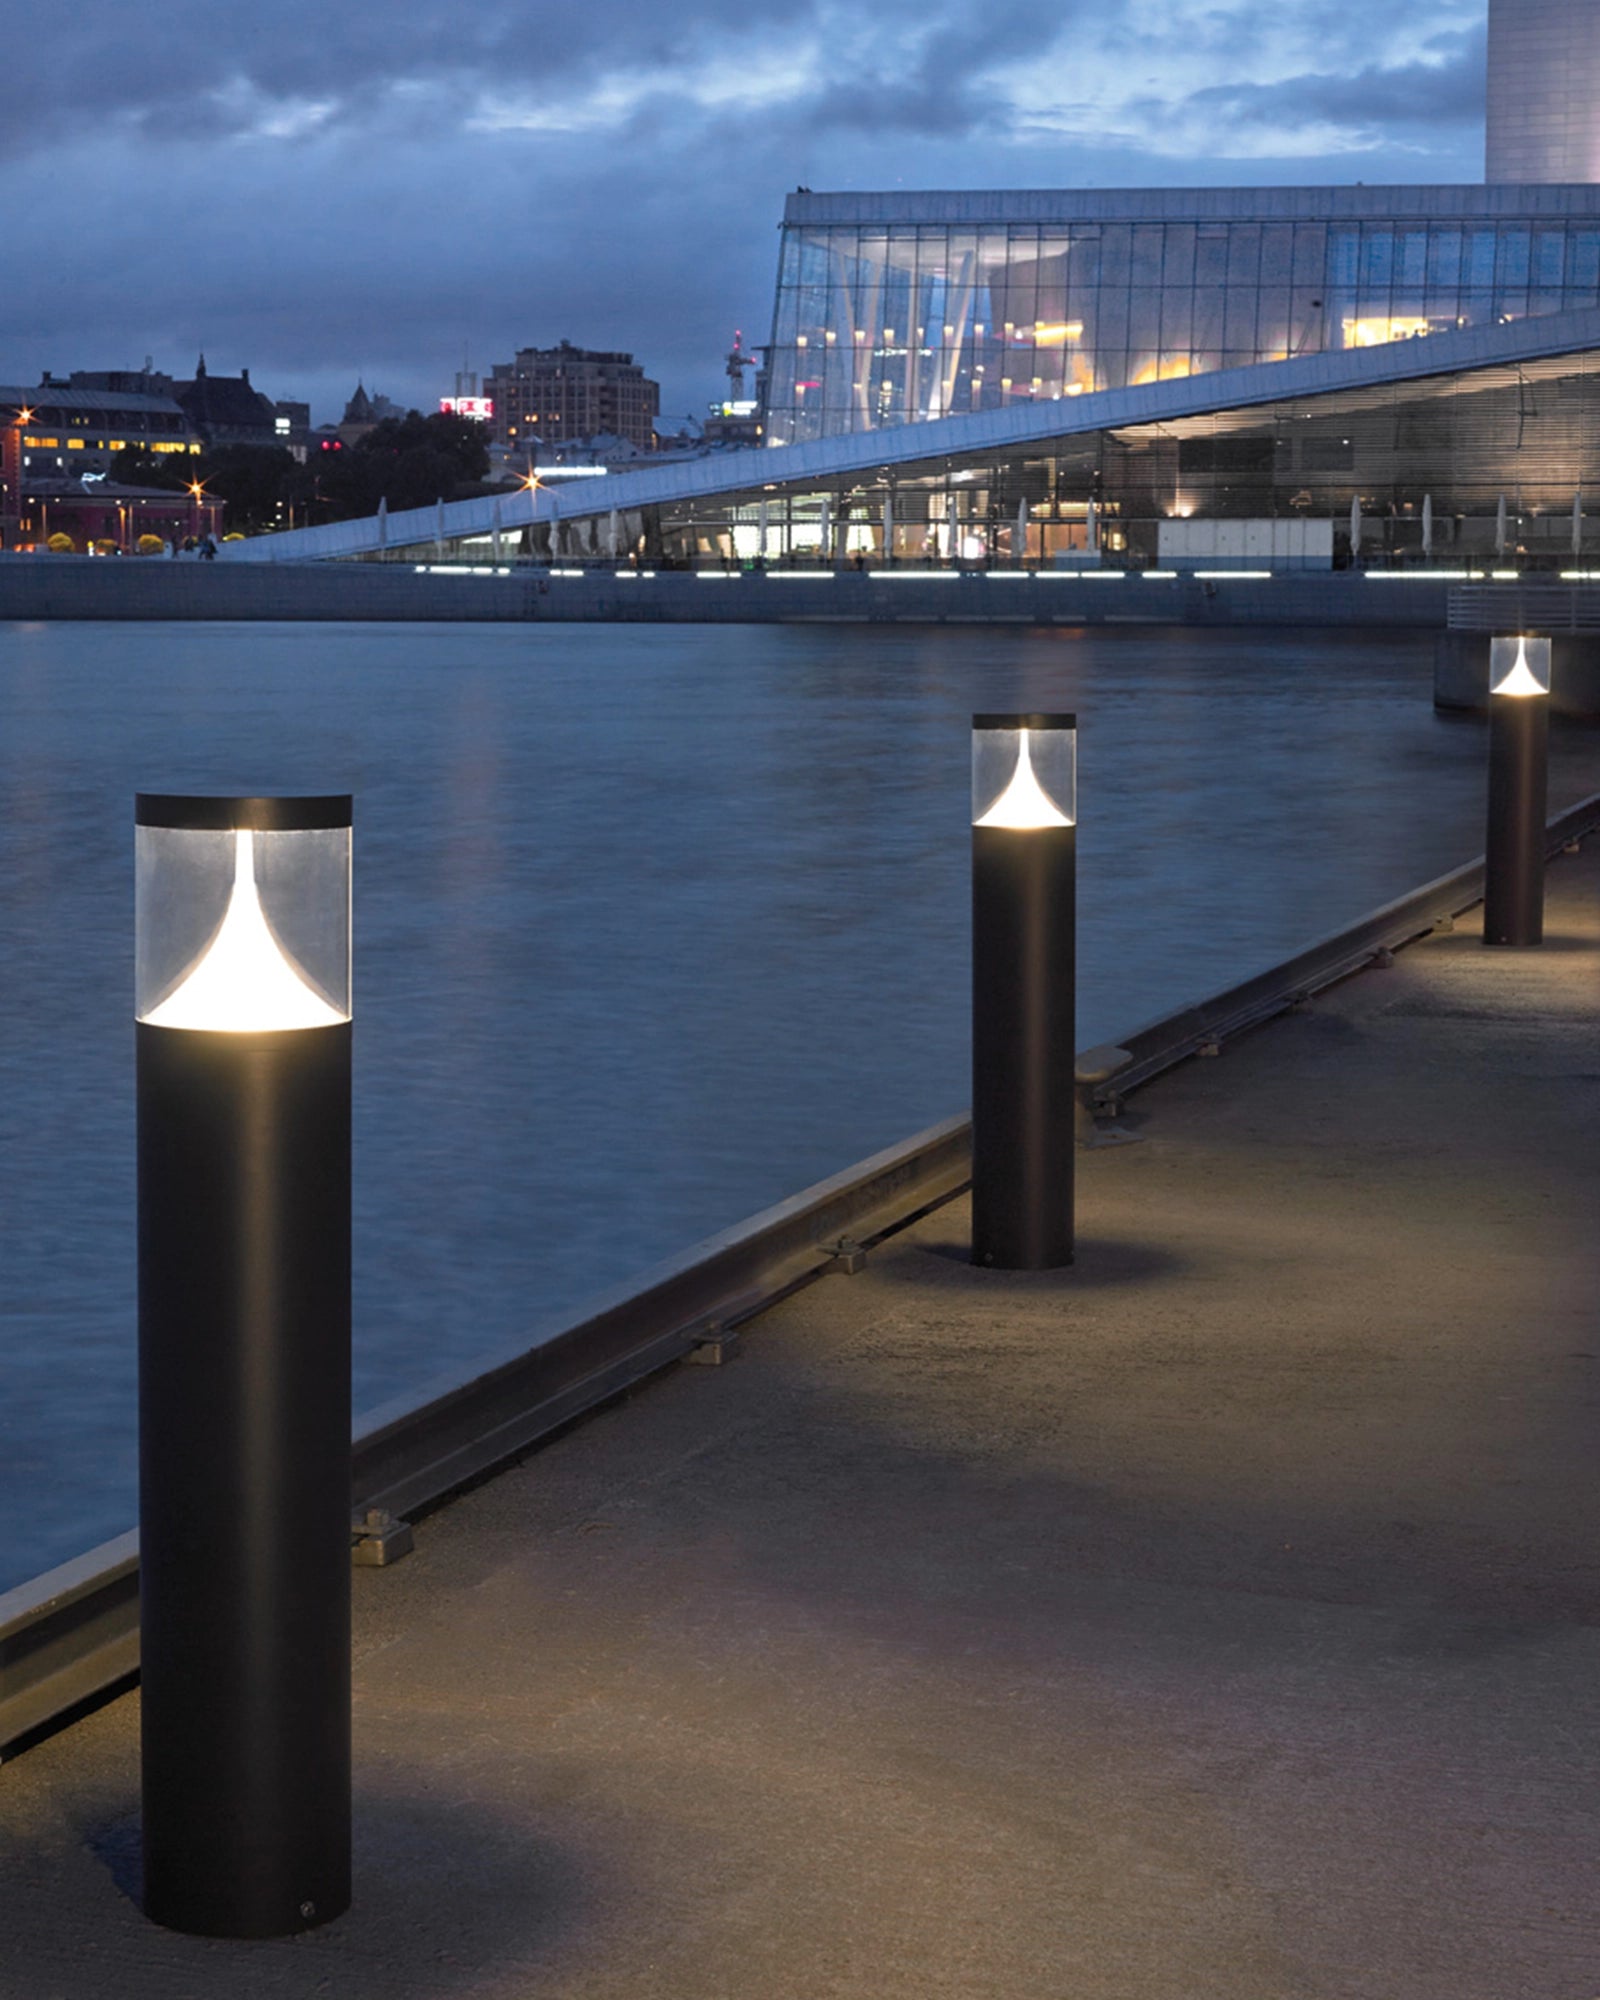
(225, 402)
(818, 462)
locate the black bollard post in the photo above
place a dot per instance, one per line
(1519, 727)
(243, 1048)
(1024, 834)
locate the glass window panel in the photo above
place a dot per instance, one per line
(1545, 301)
(1116, 252)
(1177, 266)
(1310, 254)
(1244, 253)
(1344, 254)
(1111, 323)
(1377, 263)
(1209, 305)
(1273, 338)
(1479, 274)
(1239, 327)
(1444, 260)
(1512, 258)
(1277, 253)
(1211, 254)
(1306, 321)
(1144, 318)
(1177, 320)
(1145, 268)
(1411, 261)
(1583, 266)
(1083, 266)
(1510, 304)
(1549, 257)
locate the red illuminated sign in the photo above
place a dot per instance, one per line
(479, 408)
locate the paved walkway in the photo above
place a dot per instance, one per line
(1216, 1621)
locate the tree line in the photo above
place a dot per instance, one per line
(410, 461)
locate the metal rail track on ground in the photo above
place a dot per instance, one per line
(71, 1636)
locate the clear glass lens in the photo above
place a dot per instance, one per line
(1519, 665)
(241, 932)
(1024, 778)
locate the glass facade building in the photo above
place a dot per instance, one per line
(902, 308)
(1481, 462)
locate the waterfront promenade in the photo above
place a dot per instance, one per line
(83, 587)
(1215, 1621)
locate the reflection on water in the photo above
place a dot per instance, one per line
(653, 927)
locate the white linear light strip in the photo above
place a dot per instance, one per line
(244, 982)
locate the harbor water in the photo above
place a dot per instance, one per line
(654, 926)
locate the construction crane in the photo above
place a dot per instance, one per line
(737, 362)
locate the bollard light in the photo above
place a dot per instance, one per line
(242, 1007)
(1024, 833)
(1519, 732)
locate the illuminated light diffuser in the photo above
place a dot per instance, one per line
(1519, 666)
(244, 981)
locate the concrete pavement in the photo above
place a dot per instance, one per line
(1219, 1620)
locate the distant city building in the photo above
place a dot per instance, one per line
(225, 409)
(100, 515)
(292, 427)
(1544, 91)
(363, 413)
(733, 424)
(550, 396)
(78, 425)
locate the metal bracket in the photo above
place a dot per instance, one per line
(845, 1257)
(1441, 925)
(714, 1346)
(378, 1539)
(1382, 959)
(1093, 1068)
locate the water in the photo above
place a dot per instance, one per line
(654, 926)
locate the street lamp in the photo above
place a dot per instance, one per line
(242, 1005)
(1519, 734)
(1024, 835)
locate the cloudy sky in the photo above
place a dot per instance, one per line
(375, 187)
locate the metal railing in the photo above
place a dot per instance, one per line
(71, 1636)
(1545, 606)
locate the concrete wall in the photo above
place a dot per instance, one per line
(1544, 91)
(81, 587)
